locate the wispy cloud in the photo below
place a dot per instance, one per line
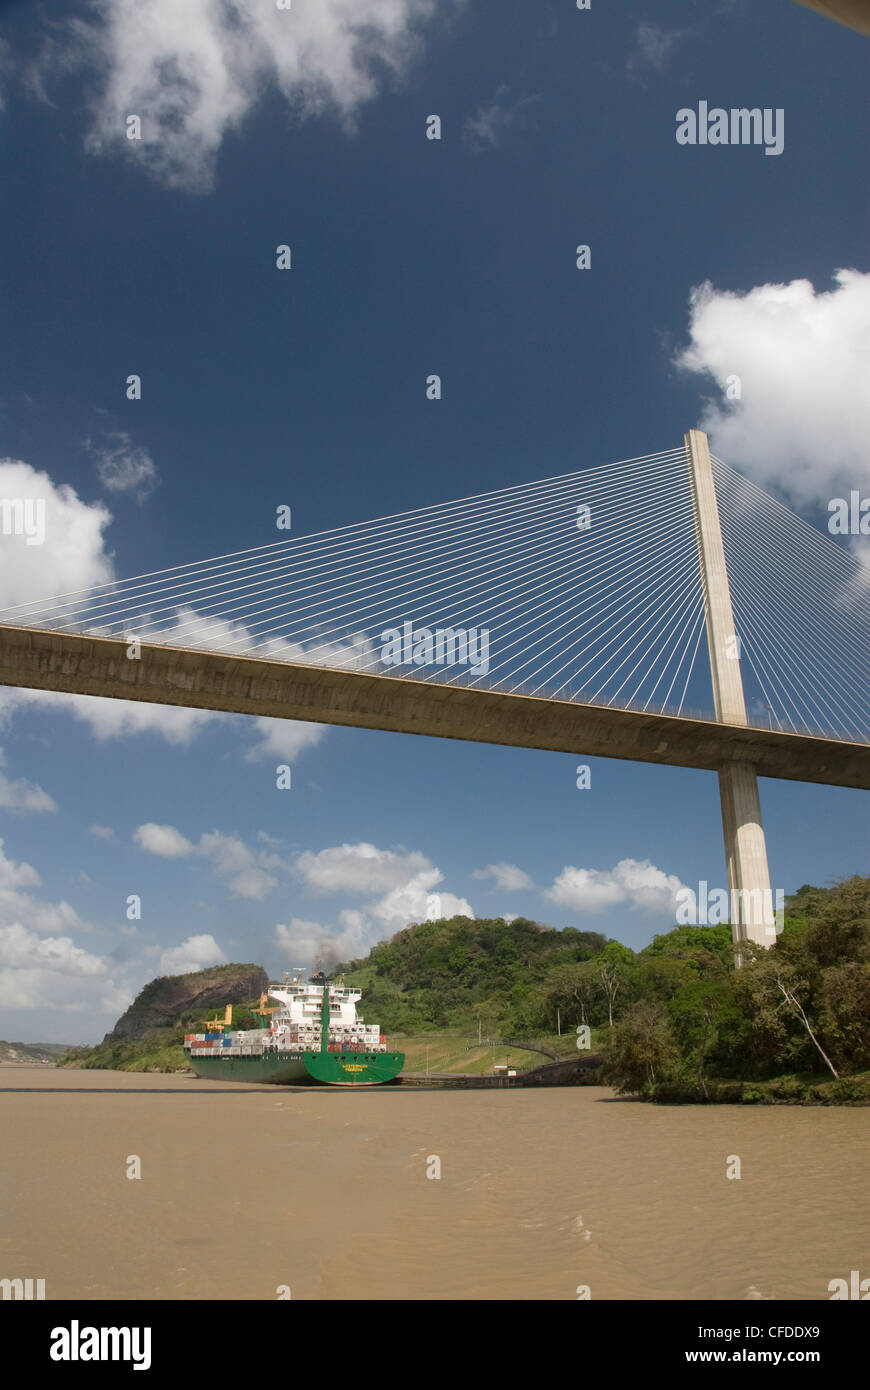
(5, 71)
(490, 125)
(653, 45)
(193, 71)
(245, 872)
(506, 877)
(124, 467)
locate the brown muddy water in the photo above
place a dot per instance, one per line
(245, 1189)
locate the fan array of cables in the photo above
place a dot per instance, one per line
(584, 586)
(802, 612)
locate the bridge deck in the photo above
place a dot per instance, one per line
(41, 659)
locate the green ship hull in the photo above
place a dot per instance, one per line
(354, 1068)
(303, 1068)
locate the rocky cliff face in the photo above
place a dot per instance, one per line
(165, 1002)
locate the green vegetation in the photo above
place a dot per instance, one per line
(154, 1053)
(675, 1021)
(449, 1052)
(792, 1025)
(511, 980)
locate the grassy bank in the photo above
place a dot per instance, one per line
(145, 1054)
(449, 1052)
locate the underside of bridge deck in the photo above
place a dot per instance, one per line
(86, 665)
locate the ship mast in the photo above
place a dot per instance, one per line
(324, 1019)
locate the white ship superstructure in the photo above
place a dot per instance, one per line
(296, 1024)
(297, 1021)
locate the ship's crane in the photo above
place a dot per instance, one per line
(213, 1024)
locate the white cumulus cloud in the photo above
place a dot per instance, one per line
(18, 905)
(50, 987)
(107, 719)
(44, 975)
(23, 949)
(637, 882)
(71, 556)
(803, 359)
(357, 930)
(284, 738)
(415, 901)
(19, 795)
(51, 972)
(196, 953)
(401, 888)
(302, 941)
(163, 840)
(360, 868)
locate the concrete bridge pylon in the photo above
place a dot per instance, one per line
(752, 906)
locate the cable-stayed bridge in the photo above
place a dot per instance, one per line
(661, 609)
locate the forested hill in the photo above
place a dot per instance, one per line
(459, 972)
(678, 1005)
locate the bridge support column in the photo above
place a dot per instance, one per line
(752, 908)
(745, 850)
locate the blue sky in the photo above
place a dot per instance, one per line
(307, 388)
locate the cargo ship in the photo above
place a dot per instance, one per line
(311, 1035)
